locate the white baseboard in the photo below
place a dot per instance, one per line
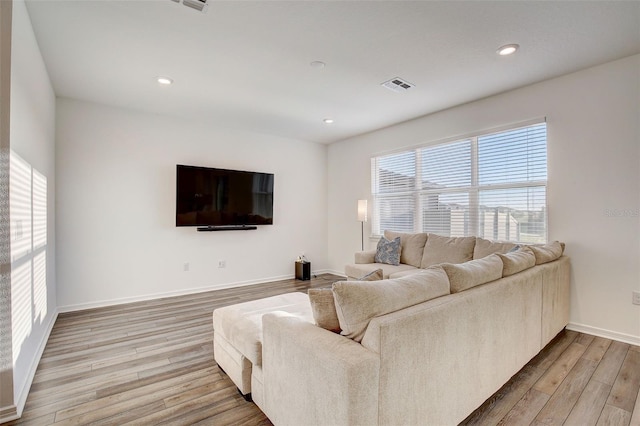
(24, 392)
(8, 413)
(608, 334)
(332, 272)
(121, 301)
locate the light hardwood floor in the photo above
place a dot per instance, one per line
(152, 363)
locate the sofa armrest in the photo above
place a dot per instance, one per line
(365, 256)
(315, 377)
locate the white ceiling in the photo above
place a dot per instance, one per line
(246, 64)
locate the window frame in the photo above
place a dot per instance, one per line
(474, 189)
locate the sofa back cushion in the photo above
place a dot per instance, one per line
(412, 246)
(517, 261)
(358, 302)
(548, 252)
(474, 272)
(484, 248)
(439, 249)
(324, 309)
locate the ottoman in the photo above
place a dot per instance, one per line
(237, 334)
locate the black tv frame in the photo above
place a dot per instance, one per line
(222, 227)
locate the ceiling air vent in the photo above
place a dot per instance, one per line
(199, 5)
(398, 85)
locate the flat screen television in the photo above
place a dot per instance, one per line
(210, 197)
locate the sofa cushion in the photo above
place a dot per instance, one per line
(368, 256)
(324, 309)
(517, 261)
(484, 248)
(241, 324)
(474, 272)
(388, 251)
(548, 252)
(355, 270)
(404, 273)
(376, 275)
(439, 249)
(411, 246)
(323, 306)
(358, 302)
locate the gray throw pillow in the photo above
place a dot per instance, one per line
(388, 251)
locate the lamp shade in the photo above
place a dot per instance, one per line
(362, 210)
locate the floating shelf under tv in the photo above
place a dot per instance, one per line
(227, 228)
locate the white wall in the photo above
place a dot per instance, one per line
(116, 232)
(593, 163)
(33, 290)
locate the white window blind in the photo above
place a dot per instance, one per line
(491, 185)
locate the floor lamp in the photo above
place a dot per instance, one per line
(362, 216)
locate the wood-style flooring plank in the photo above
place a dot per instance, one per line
(614, 416)
(136, 382)
(597, 349)
(160, 393)
(496, 407)
(550, 353)
(45, 420)
(562, 401)
(635, 417)
(587, 409)
(526, 409)
(625, 388)
(608, 368)
(556, 373)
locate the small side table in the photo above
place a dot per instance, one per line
(303, 271)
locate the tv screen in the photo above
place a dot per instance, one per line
(219, 197)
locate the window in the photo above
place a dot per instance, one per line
(493, 186)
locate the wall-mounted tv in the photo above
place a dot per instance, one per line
(221, 198)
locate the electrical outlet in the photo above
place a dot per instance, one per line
(222, 263)
(636, 298)
(185, 267)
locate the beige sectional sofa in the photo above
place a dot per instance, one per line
(427, 346)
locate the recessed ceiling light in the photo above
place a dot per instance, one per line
(508, 49)
(164, 80)
(328, 121)
(317, 64)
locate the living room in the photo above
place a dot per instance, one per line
(109, 170)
